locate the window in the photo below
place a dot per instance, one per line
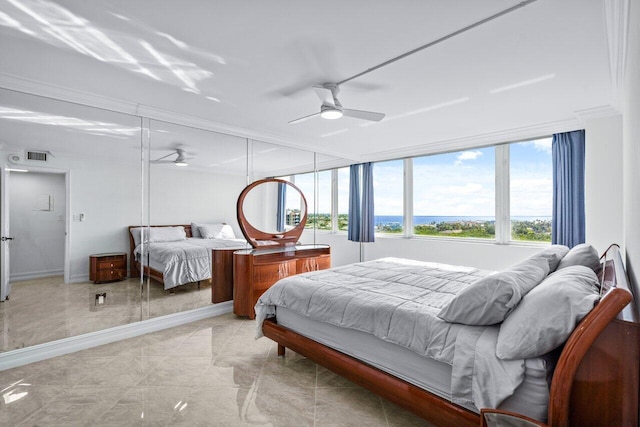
(464, 194)
(454, 194)
(531, 190)
(343, 199)
(323, 213)
(388, 190)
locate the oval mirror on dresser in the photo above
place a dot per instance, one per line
(272, 213)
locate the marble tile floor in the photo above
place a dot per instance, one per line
(207, 373)
(47, 309)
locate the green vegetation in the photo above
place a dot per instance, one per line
(537, 230)
(476, 229)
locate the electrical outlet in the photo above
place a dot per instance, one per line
(100, 298)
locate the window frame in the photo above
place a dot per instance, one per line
(501, 200)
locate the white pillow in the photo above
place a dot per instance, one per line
(548, 314)
(582, 254)
(216, 231)
(489, 300)
(166, 234)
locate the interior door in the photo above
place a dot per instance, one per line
(5, 285)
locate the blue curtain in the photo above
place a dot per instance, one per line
(367, 225)
(353, 231)
(282, 195)
(361, 211)
(568, 222)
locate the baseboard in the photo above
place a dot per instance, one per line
(36, 353)
(35, 275)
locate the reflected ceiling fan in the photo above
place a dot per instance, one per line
(180, 159)
(331, 108)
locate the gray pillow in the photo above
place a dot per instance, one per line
(489, 300)
(195, 230)
(554, 255)
(548, 314)
(582, 254)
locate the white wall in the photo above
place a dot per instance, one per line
(603, 181)
(631, 145)
(38, 248)
(109, 194)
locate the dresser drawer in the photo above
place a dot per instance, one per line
(320, 262)
(264, 276)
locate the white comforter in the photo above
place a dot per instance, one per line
(397, 301)
(187, 261)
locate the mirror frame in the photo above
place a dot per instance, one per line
(263, 240)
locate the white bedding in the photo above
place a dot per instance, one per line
(397, 301)
(185, 261)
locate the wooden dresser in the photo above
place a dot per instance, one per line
(256, 270)
(108, 267)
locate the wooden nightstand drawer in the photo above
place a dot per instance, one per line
(108, 267)
(109, 264)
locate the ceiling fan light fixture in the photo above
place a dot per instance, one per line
(180, 163)
(331, 113)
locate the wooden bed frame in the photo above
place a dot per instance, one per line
(221, 266)
(595, 382)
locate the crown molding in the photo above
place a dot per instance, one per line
(48, 90)
(475, 141)
(597, 112)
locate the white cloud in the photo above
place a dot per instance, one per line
(467, 155)
(543, 145)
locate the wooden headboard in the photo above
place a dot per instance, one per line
(596, 381)
(134, 271)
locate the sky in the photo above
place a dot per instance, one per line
(452, 184)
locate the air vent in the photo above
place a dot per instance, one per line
(37, 155)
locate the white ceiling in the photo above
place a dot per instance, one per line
(249, 66)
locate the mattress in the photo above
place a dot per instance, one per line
(530, 398)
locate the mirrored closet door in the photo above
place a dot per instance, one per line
(73, 180)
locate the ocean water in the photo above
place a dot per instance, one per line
(417, 220)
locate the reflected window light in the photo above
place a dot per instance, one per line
(524, 83)
(17, 170)
(7, 21)
(11, 397)
(212, 98)
(334, 133)
(54, 24)
(437, 106)
(67, 122)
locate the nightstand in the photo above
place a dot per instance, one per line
(107, 267)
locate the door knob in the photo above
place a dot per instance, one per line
(4, 239)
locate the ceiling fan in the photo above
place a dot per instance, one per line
(331, 108)
(180, 159)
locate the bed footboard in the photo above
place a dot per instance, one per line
(422, 403)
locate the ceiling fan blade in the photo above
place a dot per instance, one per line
(325, 95)
(302, 119)
(365, 115)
